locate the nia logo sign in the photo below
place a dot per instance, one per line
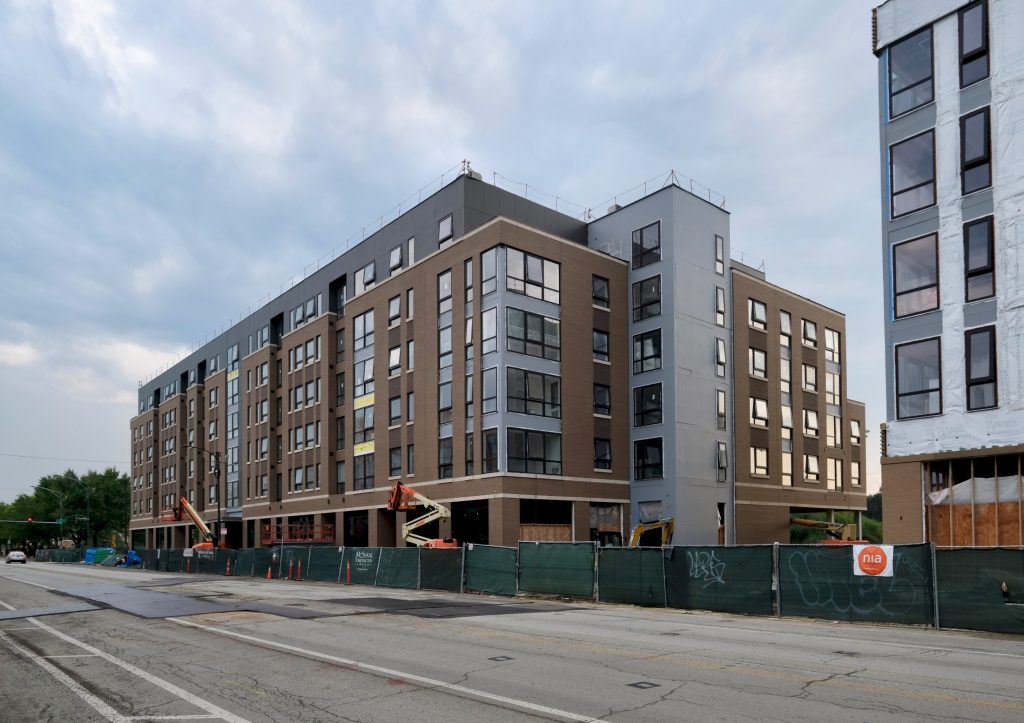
(872, 560)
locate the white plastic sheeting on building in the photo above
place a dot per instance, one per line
(986, 490)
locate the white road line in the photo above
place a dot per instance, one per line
(170, 717)
(33, 584)
(522, 704)
(83, 655)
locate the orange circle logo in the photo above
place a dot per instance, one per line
(872, 560)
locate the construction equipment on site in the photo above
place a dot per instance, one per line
(204, 529)
(404, 499)
(839, 532)
(667, 526)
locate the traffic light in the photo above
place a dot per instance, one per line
(29, 519)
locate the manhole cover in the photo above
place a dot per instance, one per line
(644, 685)
(500, 658)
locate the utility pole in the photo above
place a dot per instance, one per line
(216, 457)
(60, 503)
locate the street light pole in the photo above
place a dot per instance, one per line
(216, 457)
(60, 503)
(88, 506)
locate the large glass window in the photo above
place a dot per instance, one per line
(488, 271)
(490, 393)
(647, 245)
(975, 151)
(445, 468)
(534, 393)
(981, 368)
(647, 298)
(534, 335)
(362, 477)
(647, 459)
(647, 351)
(363, 429)
(832, 338)
(363, 377)
(364, 330)
(532, 275)
(489, 331)
(912, 174)
(973, 43)
(915, 275)
(490, 456)
(979, 259)
(918, 379)
(910, 73)
(647, 407)
(534, 452)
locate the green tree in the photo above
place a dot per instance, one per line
(875, 506)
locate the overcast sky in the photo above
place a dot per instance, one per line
(166, 164)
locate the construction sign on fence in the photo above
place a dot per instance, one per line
(872, 560)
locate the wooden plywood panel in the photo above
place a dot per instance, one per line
(985, 518)
(1009, 524)
(963, 525)
(938, 520)
(545, 533)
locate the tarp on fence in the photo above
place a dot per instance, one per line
(325, 564)
(721, 579)
(817, 581)
(173, 559)
(360, 565)
(971, 594)
(265, 562)
(399, 567)
(441, 569)
(557, 568)
(491, 569)
(634, 576)
(289, 559)
(243, 562)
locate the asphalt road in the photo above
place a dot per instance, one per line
(100, 644)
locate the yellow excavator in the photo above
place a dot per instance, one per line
(838, 532)
(404, 499)
(667, 526)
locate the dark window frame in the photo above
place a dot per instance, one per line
(896, 294)
(446, 458)
(601, 352)
(644, 469)
(930, 79)
(990, 268)
(643, 415)
(977, 53)
(896, 368)
(522, 405)
(642, 358)
(644, 309)
(523, 344)
(983, 160)
(529, 285)
(639, 260)
(893, 193)
(602, 453)
(532, 455)
(600, 298)
(604, 407)
(992, 376)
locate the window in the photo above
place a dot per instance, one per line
(394, 360)
(488, 271)
(469, 398)
(722, 458)
(297, 479)
(340, 474)
(786, 328)
(758, 363)
(912, 174)
(213, 397)
(975, 151)
(832, 388)
(719, 255)
(832, 345)
(647, 459)
(646, 351)
(444, 403)
(531, 334)
(787, 421)
(759, 461)
(720, 408)
(811, 468)
(647, 298)
(532, 275)
(647, 405)
(444, 229)
(363, 431)
(533, 393)
(647, 245)
(787, 469)
(340, 433)
(340, 346)
(363, 377)
(918, 379)
(409, 298)
(810, 333)
(444, 347)
(973, 43)
(364, 330)
(490, 451)
(833, 430)
(810, 378)
(758, 314)
(394, 310)
(720, 306)
(410, 354)
(340, 383)
(394, 411)
(395, 258)
(366, 277)
(602, 453)
(981, 368)
(916, 275)
(854, 431)
(534, 452)
(468, 338)
(979, 259)
(759, 412)
(834, 473)
(410, 460)
(467, 278)
(600, 291)
(855, 474)
(489, 331)
(720, 357)
(395, 462)
(445, 468)
(444, 292)
(910, 73)
(602, 399)
(362, 477)
(600, 345)
(490, 395)
(410, 407)
(810, 423)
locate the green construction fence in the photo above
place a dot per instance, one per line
(981, 589)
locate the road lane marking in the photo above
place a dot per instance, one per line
(214, 710)
(170, 717)
(391, 673)
(83, 655)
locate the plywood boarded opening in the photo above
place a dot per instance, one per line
(975, 502)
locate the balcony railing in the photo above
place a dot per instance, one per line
(298, 534)
(170, 514)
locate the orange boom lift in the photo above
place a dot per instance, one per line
(404, 499)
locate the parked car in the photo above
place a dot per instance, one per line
(17, 556)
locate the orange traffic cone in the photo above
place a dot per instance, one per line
(269, 576)
(299, 576)
(227, 568)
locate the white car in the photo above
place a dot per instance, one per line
(17, 556)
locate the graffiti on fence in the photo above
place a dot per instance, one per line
(704, 565)
(894, 597)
